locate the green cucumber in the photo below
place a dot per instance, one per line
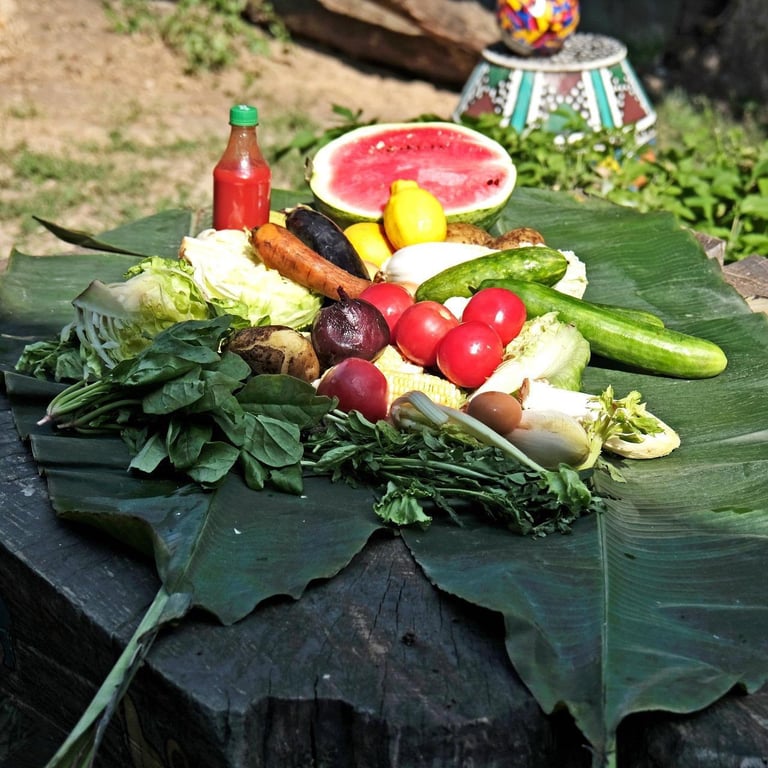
(539, 263)
(612, 335)
(630, 313)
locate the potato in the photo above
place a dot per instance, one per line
(463, 232)
(276, 349)
(515, 238)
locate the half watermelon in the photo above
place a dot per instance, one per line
(470, 174)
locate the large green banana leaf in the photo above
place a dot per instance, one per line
(192, 533)
(659, 603)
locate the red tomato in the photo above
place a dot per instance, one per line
(469, 354)
(420, 329)
(359, 385)
(391, 299)
(503, 310)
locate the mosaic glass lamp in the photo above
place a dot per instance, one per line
(542, 71)
(536, 27)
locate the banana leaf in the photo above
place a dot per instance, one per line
(159, 235)
(267, 539)
(658, 603)
(224, 550)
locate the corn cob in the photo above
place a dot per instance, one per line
(403, 377)
(438, 389)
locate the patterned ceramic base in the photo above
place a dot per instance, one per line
(590, 75)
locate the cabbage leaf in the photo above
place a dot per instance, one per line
(229, 273)
(115, 321)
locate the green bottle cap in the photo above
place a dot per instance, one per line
(243, 114)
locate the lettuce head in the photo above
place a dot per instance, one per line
(115, 321)
(230, 274)
(545, 349)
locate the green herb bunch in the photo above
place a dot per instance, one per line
(185, 404)
(449, 470)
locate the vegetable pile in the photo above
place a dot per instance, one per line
(186, 402)
(447, 374)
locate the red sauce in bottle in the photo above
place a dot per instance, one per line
(242, 178)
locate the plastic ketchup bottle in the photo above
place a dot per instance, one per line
(242, 179)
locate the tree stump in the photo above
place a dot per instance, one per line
(374, 667)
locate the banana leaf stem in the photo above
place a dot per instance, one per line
(80, 747)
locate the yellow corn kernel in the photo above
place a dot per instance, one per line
(403, 376)
(438, 389)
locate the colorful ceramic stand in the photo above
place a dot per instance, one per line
(590, 76)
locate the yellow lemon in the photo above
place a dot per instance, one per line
(370, 241)
(413, 215)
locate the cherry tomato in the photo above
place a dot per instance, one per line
(497, 410)
(359, 385)
(498, 307)
(469, 353)
(391, 299)
(420, 329)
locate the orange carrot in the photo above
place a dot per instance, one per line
(281, 250)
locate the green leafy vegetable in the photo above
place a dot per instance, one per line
(436, 461)
(623, 426)
(115, 321)
(545, 348)
(182, 402)
(230, 274)
(219, 273)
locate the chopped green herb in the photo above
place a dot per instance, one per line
(449, 469)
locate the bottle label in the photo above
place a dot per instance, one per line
(240, 202)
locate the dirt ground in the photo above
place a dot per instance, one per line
(66, 78)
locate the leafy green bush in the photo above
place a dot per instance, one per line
(712, 178)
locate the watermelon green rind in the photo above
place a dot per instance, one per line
(472, 175)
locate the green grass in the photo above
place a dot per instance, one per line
(102, 186)
(111, 184)
(208, 34)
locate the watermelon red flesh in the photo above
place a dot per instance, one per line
(464, 170)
